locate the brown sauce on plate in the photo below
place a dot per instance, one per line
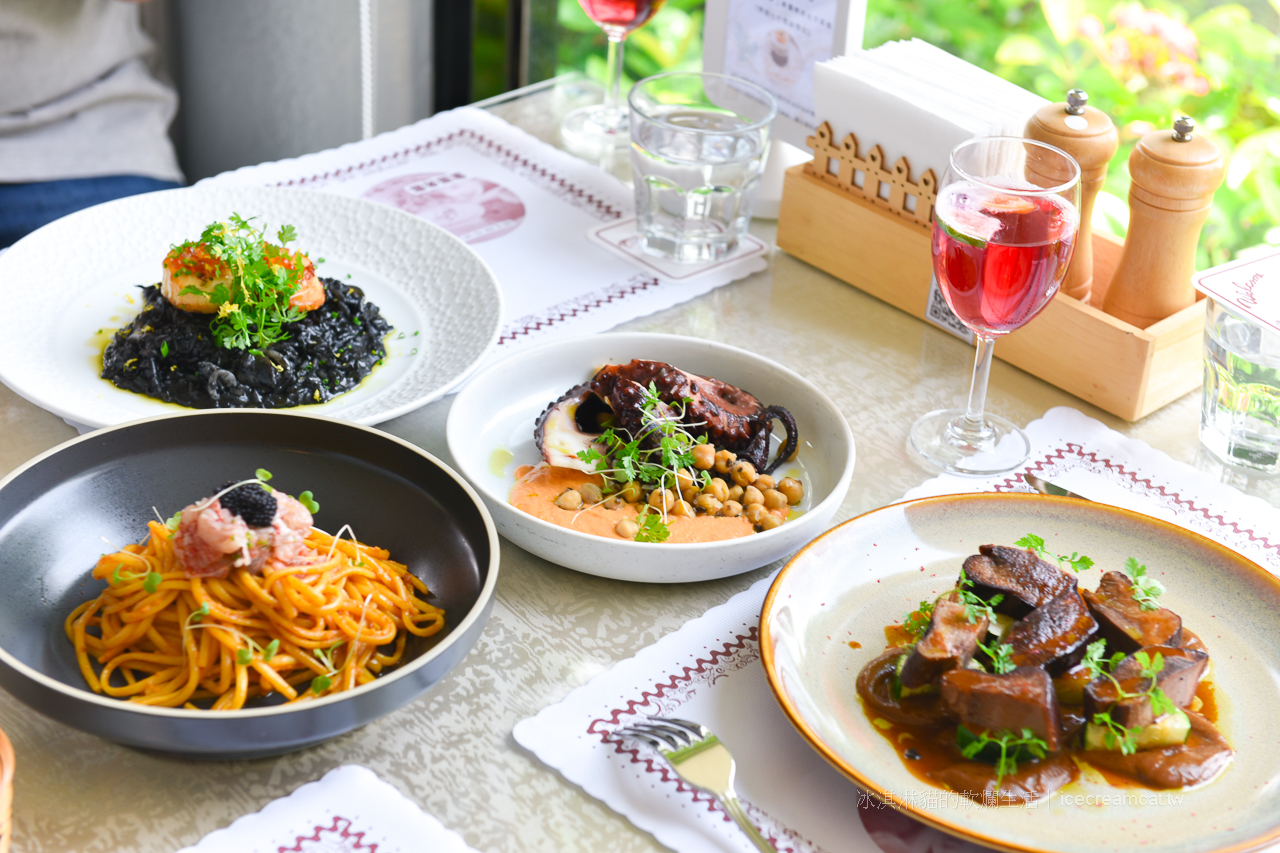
(925, 740)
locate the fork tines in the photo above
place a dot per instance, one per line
(665, 730)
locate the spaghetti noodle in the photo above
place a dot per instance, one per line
(162, 637)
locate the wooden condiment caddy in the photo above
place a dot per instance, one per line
(869, 225)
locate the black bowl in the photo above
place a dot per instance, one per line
(59, 512)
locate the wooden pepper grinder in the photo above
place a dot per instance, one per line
(1174, 175)
(1087, 134)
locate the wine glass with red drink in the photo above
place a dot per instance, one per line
(1004, 228)
(602, 127)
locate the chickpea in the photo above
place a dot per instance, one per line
(569, 499)
(683, 509)
(626, 528)
(704, 457)
(591, 494)
(764, 483)
(684, 479)
(768, 521)
(755, 512)
(732, 509)
(708, 504)
(614, 503)
(690, 494)
(774, 499)
(752, 495)
(631, 493)
(661, 499)
(725, 458)
(793, 489)
(743, 473)
(735, 493)
(717, 488)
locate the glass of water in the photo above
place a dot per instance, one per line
(698, 146)
(1240, 411)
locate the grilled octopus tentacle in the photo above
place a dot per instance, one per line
(788, 448)
(731, 418)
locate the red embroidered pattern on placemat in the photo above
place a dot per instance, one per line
(482, 144)
(1139, 485)
(338, 837)
(575, 307)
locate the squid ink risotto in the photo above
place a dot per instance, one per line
(238, 322)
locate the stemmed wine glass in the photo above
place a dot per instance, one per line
(1004, 227)
(601, 127)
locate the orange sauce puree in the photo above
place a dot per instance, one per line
(536, 490)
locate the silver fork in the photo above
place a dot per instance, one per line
(700, 759)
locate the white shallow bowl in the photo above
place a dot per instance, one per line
(498, 409)
(72, 283)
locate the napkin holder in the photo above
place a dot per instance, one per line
(870, 227)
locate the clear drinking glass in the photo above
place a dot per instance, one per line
(698, 145)
(601, 127)
(1004, 228)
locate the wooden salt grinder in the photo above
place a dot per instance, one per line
(1174, 175)
(1087, 134)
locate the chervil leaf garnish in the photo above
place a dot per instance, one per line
(1076, 562)
(1145, 590)
(652, 529)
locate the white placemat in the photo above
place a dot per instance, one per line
(709, 671)
(526, 207)
(350, 809)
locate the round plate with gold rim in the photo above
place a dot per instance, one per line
(849, 583)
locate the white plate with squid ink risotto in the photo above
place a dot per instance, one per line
(276, 298)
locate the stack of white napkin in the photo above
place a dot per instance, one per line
(918, 101)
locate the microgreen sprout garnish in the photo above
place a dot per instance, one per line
(1076, 562)
(655, 455)
(173, 521)
(118, 577)
(917, 621)
(260, 477)
(1001, 656)
(254, 309)
(196, 615)
(244, 656)
(1145, 590)
(1118, 736)
(1004, 749)
(164, 349)
(975, 607)
(321, 683)
(333, 546)
(152, 582)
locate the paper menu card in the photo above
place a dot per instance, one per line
(917, 101)
(1251, 286)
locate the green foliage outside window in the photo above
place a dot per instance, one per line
(1143, 66)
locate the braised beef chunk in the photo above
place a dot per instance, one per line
(1052, 631)
(1183, 669)
(948, 643)
(1123, 623)
(1022, 699)
(1025, 580)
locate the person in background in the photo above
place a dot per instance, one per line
(82, 121)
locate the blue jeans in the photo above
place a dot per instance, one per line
(26, 207)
